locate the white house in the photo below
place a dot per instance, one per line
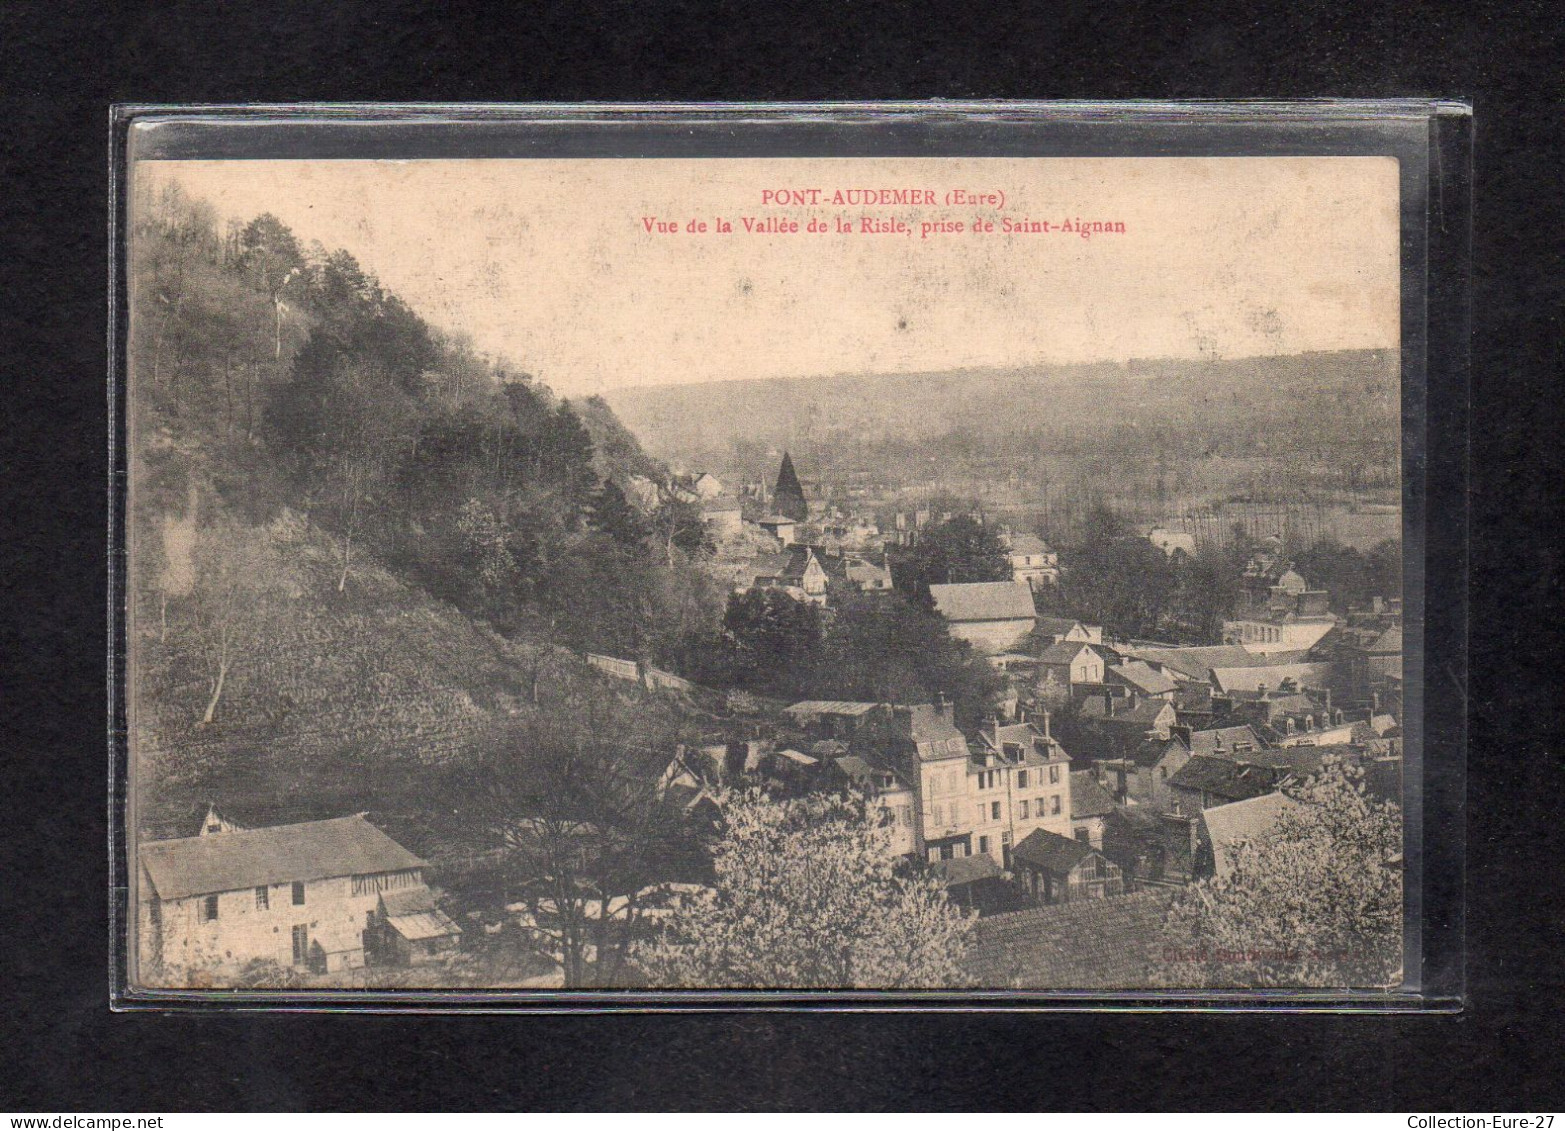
(299, 895)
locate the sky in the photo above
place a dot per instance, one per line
(548, 263)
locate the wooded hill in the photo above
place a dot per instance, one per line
(358, 547)
(1327, 415)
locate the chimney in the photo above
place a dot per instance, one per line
(1046, 733)
(943, 706)
(1108, 704)
(1374, 702)
(992, 725)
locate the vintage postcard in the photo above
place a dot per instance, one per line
(751, 573)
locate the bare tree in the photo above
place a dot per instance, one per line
(227, 597)
(576, 799)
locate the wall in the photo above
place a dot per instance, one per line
(243, 932)
(991, 637)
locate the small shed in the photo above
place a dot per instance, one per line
(407, 929)
(1057, 869)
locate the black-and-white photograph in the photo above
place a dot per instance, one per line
(907, 574)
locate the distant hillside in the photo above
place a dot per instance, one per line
(1323, 406)
(616, 451)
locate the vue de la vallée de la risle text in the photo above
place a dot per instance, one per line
(987, 220)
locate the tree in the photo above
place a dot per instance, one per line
(883, 648)
(677, 525)
(959, 550)
(228, 594)
(770, 642)
(1113, 578)
(788, 496)
(1316, 901)
(808, 895)
(573, 796)
(614, 516)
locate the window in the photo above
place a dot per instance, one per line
(262, 898)
(994, 811)
(1054, 805)
(934, 855)
(1054, 775)
(301, 944)
(983, 844)
(1022, 814)
(1162, 773)
(940, 815)
(906, 813)
(1021, 780)
(298, 893)
(209, 909)
(1081, 835)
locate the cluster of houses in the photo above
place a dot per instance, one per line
(1108, 774)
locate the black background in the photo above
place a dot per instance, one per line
(63, 1050)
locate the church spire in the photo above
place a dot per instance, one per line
(788, 496)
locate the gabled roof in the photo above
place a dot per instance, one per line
(1388, 642)
(1151, 751)
(984, 600)
(315, 850)
(1090, 944)
(1058, 626)
(1029, 544)
(1064, 651)
(1051, 851)
(1221, 778)
(1144, 714)
(1143, 677)
(1088, 798)
(1247, 820)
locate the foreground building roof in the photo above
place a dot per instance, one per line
(1089, 945)
(984, 600)
(248, 858)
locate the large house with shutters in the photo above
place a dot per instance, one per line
(301, 895)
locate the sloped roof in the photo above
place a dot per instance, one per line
(1144, 714)
(1196, 663)
(1272, 675)
(966, 869)
(926, 724)
(1222, 778)
(407, 901)
(1088, 798)
(984, 600)
(830, 707)
(1249, 819)
(1057, 626)
(1051, 851)
(1088, 945)
(1205, 742)
(413, 915)
(1063, 651)
(279, 854)
(1389, 641)
(1151, 751)
(1143, 677)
